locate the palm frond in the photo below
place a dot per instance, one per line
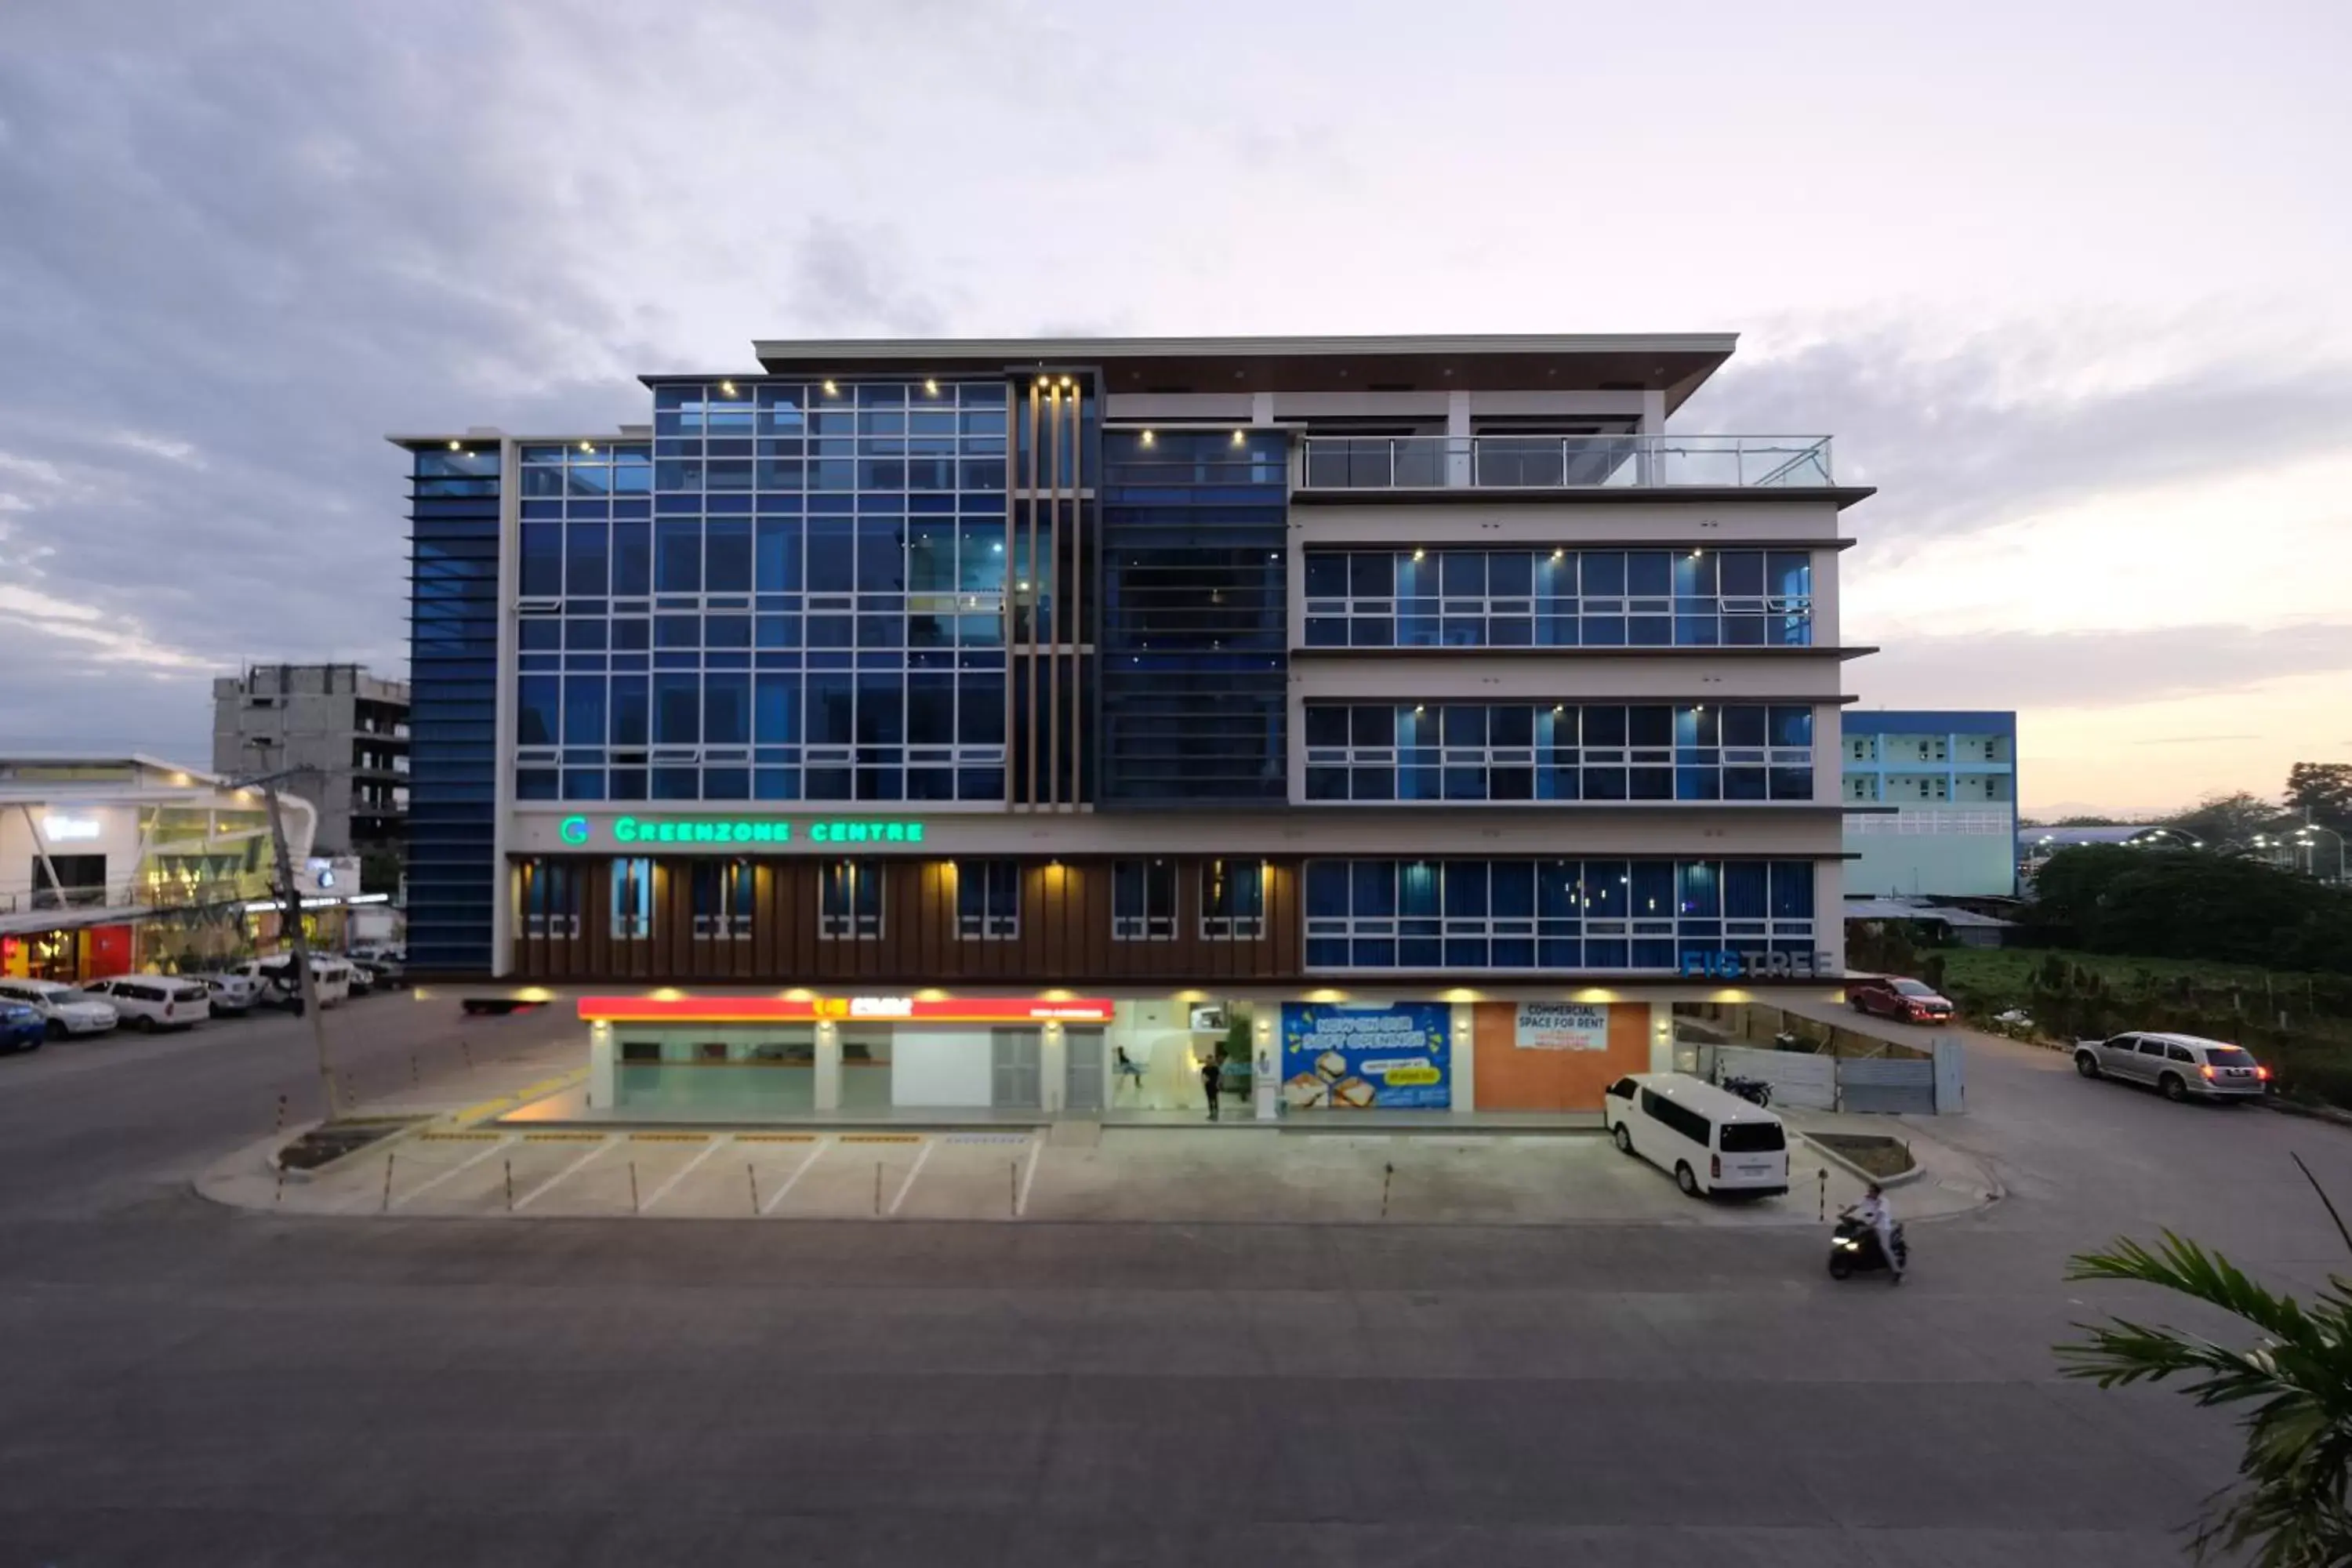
(2292, 1488)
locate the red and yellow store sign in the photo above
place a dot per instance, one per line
(846, 1009)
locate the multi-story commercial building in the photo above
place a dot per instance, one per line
(1936, 799)
(348, 727)
(966, 723)
(111, 864)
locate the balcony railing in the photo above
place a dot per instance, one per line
(1564, 462)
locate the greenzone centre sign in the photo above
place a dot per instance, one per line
(739, 830)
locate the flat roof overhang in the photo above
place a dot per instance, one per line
(1674, 363)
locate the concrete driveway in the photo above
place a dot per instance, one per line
(2085, 1158)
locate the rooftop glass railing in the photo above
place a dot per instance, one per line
(1564, 462)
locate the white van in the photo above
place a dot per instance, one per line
(330, 976)
(156, 1001)
(1710, 1141)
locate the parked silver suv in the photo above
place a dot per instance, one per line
(2182, 1065)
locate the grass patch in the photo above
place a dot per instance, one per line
(2012, 970)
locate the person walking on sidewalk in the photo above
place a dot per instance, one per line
(1213, 1074)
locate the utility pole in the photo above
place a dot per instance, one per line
(290, 904)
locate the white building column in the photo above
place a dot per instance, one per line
(826, 1090)
(1266, 1075)
(1462, 1052)
(1457, 439)
(1829, 912)
(603, 1069)
(1052, 1069)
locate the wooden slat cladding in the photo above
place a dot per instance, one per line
(1065, 936)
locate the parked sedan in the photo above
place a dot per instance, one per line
(64, 1010)
(2181, 1066)
(1908, 1001)
(22, 1027)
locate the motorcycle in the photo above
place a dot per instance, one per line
(1854, 1250)
(1754, 1090)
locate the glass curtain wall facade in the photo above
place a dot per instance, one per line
(1602, 915)
(797, 592)
(454, 596)
(1194, 617)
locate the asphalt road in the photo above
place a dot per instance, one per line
(182, 1384)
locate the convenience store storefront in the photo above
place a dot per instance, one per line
(801, 1056)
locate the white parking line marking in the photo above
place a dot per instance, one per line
(459, 1169)
(802, 1171)
(1037, 1146)
(684, 1171)
(912, 1171)
(524, 1202)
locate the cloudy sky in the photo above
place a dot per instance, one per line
(2066, 282)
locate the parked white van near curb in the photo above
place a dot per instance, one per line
(1709, 1140)
(156, 1001)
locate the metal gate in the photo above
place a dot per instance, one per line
(1013, 1077)
(1082, 1078)
(1889, 1087)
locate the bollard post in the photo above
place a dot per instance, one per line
(633, 1189)
(280, 1198)
(282, 1113)
(1013, 1189)
(468, 1053)
(752, 1177)
(1388, 1174)
(385, 1207)
(878, 1188)
(509, 1164)
(416, 1079)
(1825, 1195)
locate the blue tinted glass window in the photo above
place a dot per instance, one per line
(677, 705)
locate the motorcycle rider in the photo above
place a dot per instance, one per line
(1875, 1211)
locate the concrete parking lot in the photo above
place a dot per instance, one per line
(1124, 1176)
(192, 1383)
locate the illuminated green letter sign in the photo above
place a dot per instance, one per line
(745, 830)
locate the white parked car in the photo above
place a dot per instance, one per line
(2183, 1067)
(1709, 1140)
(68, 1011)
(156, 1001)
(229, 996)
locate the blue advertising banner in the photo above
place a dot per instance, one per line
(1391, 1058)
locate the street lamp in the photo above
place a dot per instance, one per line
(2308, 829)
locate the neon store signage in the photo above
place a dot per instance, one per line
(830, 1009)
(740, 830)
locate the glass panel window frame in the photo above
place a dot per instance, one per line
(722, 894)
(1538, 754)
(1579, 598)
(1516, 915)
(1143, 900)
(988, 901)
(1233, 900)
(850, 901)
(633, 898)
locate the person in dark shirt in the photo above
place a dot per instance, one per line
(1213, 1072)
